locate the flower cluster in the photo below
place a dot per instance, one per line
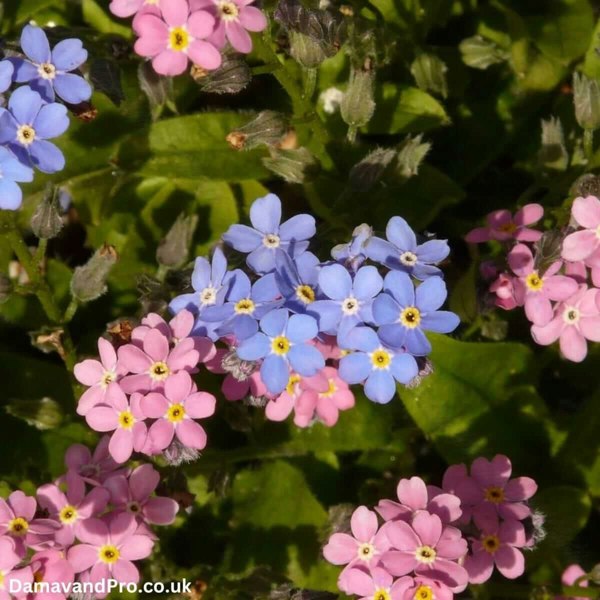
(297, 332)
(432, 542)
(37, 111)
(88, 526)
(143, 391)
(556, 286)
(174, 32)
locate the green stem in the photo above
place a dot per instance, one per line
(265, 69)
(71, 310)
(588, 144)
(352, 131)
(40, 253)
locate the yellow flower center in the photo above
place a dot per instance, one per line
(271, 240)
(108, 554)
(534, 282)
(381, 359)
(47, 71)
(423, 592)
(508, 227)
(38, 576)
(126, 420)
(1, 580)
(228, 11)
(571, 315)
(494, 494)
(176, 413)
(179, 39)
(293, 381)
(245, 307)
(331, 390)
(490, 543)
(366, 551)
(382, 594)
(425, 554)
(26, 135)
(408, 259)
(280, 345)
(305, 294)
(410, 317)
(159, 371)
(18, 527)
(68, 515)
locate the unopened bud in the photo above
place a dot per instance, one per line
(230, 78)
(553, 153)
(548, 250)
(586, 96)
(365, 174)
(177, 454)
(411, 155)
(42, 414)
(6, 288)
(173, 249)
(268, 128)
(429, 72)
(240, 369)
(586, 185)
(306, 50)
(357, 106)
(46, 221)
(89, 281)
(480, 53)
(294, 166)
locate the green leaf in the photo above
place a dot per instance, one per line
(591, 64)
(405, 109)
(94, 16)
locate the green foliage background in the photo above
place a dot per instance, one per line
(264, 492)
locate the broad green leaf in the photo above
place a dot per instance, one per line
(405, 109)
(95, 16)
(591, 64)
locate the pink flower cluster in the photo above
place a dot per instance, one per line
(174, 32)
(143, 391)
(89, 525)
(432, 542)
(319, 398)
(561, 300)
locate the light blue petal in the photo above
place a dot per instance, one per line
(329, 313)
(203, 329)
(25, 104)
(335, 282)
(242, 238)
(46, 156)
(307, 265)
(44, 88)
(69, 54)
(398, 232)
(258, 346)
(8, 126)
(275, 373)
(385, 309)
(416, 343)
(300, 227)
(265, 289)
(201, 274)
(401, 287)
(431, 294)
(72, 88)
(219, 267)
(355, 367)
(301, 328)
(306, 359)
(404, 368)
(10, 194)
(295, 248)
(35, 44)
(262, 260)
(273, 324)
(393, 335)
(380, 386)
(347, 323)
(286, 274)
(218, 314)
(23, 70)
(244, 326)
(433, 251)
(12, 168)
(51, 121)
(367, 283)
(423, 272)
(379, 250)
(363, 339)
(184, 301)
(6, 74)
(239, 286)
(441, 321)
(265, 214)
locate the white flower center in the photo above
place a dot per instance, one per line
(408, 259)
(366, 552)
(228, 11)
(425, 554)
(350, 306)
(26, 135)
(598, 232)
(208, 296)
(47, 71)
(271, 240)
(107, 377)
(571, 315)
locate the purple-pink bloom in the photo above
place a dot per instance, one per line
(126, 419)
(108, 548)
(503, 226)
(534, 289)
(134, 495)
(175, 412)
(93, 469)
(375, 584)
(51, 567)
(155, 361)
(576, 320)
(498, 545)
(100, 375)
(428, 548)
(504, 288)
(175, 37)
(414, 495)
(423, 588)
(9, 559)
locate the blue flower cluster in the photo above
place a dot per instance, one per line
(377, 313)
(33, 115)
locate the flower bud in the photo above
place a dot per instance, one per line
(230, 78)
(586, 96)
(365, 174)
(89, 281)
(240, 369)
(294, 166)
(586, 185)
(177, 454)
(357, 106)
(553, 153)
(429, 72)
(267, 128)
(480, 53)
(42, 414)
(46, 221)
(411, 155)
(173, 249)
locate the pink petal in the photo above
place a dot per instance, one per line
(514, 511)
(136, 383)
(191, 434)
(252, 18)
(403, 537)
(125, 8)
(102, 418)
(571, 574)
(236, 390)
(327, 411)
(451, 544)
(498, 218)
(161, 433)
(238, 37)
(200, 405)
(359, 582)
(178, 387)
(580, 245)
(183, 356)
(134, 359)
(82, 557)
(108, 354)
(99, 572)
(51, 498)
(520, 488)
(391, 511)
(201, 24)
(175, 12)
(121, 527)
(170, 63)
(119, 490)
(125, 571)
(586, 212)
(90, 398)
(154, 405)
(161, 511)
(340, 549)
(205, 55)
(413, 493)
(538, 309)
(549, 333)
(510, 562)
(446, 507)
(363, 524)
(428, 528)
(94, 503)
(492, 473)
(88, 372)
(136, 547)
(512, 532)
(156, 345)
(121, 445)
(572, 344)
(399, 563)
(94, 532)
(181, 324)
(452, 574)
(559, 287)
(527, 235)
(530, 213)
(480, 566)
(154, 35)
(143, 481)
(280, 408)
(520, 260)
(590, 327)
(478, 235)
